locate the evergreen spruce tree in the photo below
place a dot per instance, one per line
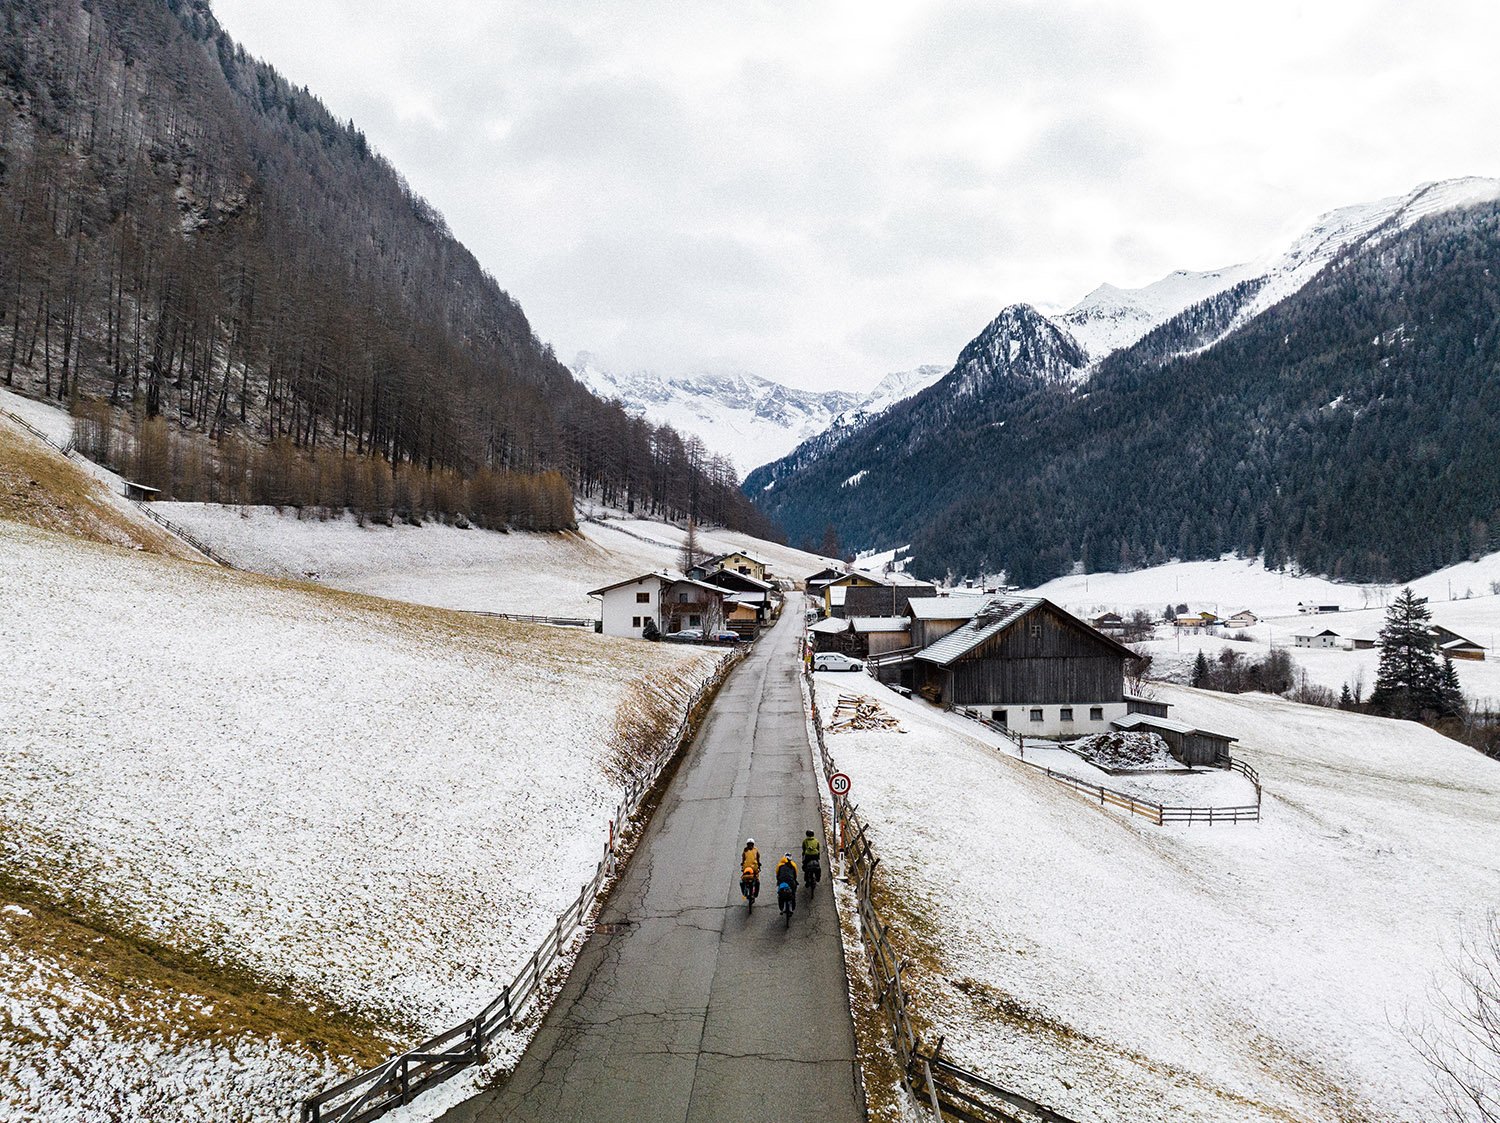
(1346, 699)
(1201, 671)
(1450, 690)
(1409, 681)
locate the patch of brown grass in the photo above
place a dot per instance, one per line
(43, 488)
(135, 977)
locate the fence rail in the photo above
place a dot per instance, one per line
(1159, 814)
(66, 449)
(946, 1089)
(187, 536)
(170, 527)
(372, 1093)
(522, 618)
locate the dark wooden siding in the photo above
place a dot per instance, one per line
(1146, 706)
(1200, 749)
(1044, 658)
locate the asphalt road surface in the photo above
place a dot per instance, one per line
(683, 1004)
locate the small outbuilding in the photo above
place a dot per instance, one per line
(1455, 646)
(1244, 618)
(1192, 746)
(140, 493)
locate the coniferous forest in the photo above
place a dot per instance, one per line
(241, 300)
(1351, 430)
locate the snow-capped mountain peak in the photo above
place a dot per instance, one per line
(750, 419)
(1110, 318)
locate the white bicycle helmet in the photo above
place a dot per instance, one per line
(749, 842)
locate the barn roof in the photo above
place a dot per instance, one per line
(1171, 725)
(881, 623)
(830, 627)
(993, 617)
(960, 607)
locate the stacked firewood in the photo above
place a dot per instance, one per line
(854, 711)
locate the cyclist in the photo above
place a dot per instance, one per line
(786, 884)
(750, 871)
(812, 861)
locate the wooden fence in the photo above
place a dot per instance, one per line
(371, 1094)
(178, 532)
(521, 618)
(1152, 812)
(946, 1089)
(170, 527)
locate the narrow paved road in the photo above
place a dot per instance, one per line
(687, 1006)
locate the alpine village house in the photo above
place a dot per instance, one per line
(1020, 661)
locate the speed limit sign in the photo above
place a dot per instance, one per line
(838, 784)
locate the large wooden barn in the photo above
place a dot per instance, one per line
(1029, 665)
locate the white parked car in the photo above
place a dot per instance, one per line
(835, 661)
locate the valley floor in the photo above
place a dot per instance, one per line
(1118, 970)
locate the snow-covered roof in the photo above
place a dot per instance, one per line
(1453, 644)
(745, 598)
(1317, 635)
(717, 558)
(995, 615)
(881, 623)
(830, 627)
(1172, 725)
(960, 607)
(738, 576)
(660, 577)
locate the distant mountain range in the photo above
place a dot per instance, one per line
(750, 419)
(1325, 404)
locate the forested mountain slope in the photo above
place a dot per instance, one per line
(1350, 428)
(192, 240)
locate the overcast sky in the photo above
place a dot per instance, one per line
(823, 192)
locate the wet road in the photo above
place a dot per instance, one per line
(688, 1006)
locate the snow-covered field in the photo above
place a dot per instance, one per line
(381, 807)
(1119, 970)
(530, 573)
(1459, 597)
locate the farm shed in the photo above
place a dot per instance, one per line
(1194, 747)
(932, 618)
(1455, 646)
(1027, 664)
(1135, 704)
(878, 634)
(833, 634)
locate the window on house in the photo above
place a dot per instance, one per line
(682, 598)
(695, 622)
(643, 598)
(998, 717)
(744, 569)
(1036, 629)
(1096, 713)
(1036, 715)
(635, 621)
(1065, 714)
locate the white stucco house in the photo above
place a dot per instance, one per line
(1326, 638)
(668, 600)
